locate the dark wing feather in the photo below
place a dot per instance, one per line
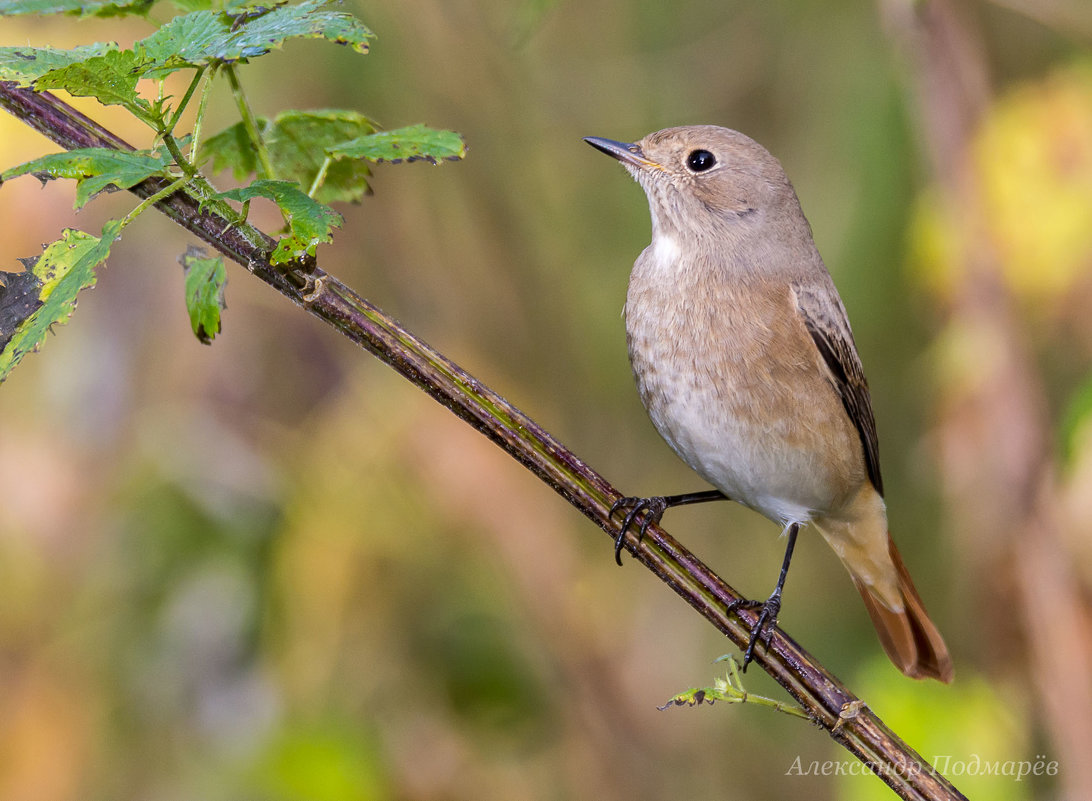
(826, 322)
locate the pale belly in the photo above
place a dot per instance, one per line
(749, 409)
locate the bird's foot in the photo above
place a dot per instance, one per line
(653, 509)
(764, 626)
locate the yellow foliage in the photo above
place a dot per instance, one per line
(1032, 161)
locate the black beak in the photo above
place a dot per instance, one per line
(625, 152)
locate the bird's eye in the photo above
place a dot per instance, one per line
(700, 160)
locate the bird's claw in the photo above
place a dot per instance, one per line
(764, 626)
(653, 508)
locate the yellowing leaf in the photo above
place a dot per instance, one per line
(49, 297)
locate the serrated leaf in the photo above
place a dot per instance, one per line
(66, 267)
(192, 40)
(207, 37)
(110, 78)
(296, 141)
(205, 280)
(24, 65)
(413, 143)
(309, 222)
(312, 19)
(94, 169)
(82, 8)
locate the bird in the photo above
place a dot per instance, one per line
(745, 362)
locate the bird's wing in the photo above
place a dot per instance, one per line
(826, 321)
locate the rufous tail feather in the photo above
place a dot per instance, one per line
(909, 637)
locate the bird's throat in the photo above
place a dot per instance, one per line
(665, 248)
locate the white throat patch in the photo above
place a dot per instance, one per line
(665, 249)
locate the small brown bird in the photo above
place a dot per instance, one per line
(745, 361)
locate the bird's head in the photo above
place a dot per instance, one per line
(699, 177)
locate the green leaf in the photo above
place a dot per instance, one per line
(110, 78)
(83, 8)
(205, 279)
(25, 65)
(192, 40)
(309, 222)
(186, 6)
(94, 169)
(30, 305)
(231, 149)
(207, 37)
(312, 19)
(296, 141)
(414, 143)
(234, 7)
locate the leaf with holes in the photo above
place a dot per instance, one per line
(94, 169)
(309, 222)
(413, 143)
(208, 37)
(25, 65)
(45, 295)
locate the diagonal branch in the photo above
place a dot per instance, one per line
(824, 698)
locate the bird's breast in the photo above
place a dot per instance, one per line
(732, 381)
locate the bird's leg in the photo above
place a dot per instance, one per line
(767, 618)
(654, 509)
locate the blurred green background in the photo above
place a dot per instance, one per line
(272, 569)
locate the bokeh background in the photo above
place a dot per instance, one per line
(272, 569)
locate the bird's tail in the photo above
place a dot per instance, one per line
(860, 538)
(908, 636)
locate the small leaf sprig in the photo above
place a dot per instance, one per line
(730, 689)
(299, 160)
